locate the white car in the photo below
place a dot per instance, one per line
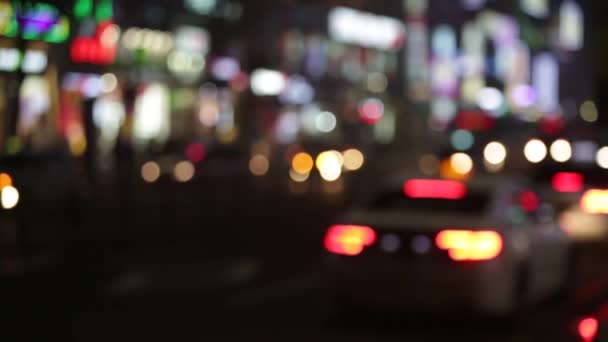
(429, 245)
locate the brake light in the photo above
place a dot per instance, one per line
(595, 201)
(348, 239)
(468, 245)
(587, 329)
(567, 182)
(433, 188)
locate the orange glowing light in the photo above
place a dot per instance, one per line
(302, 163)
(595, 201)
(470, 245)
(5, 180)
(349, 240)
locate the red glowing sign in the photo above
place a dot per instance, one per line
(99, 49)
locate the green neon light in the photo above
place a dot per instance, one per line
(30, 35)
(83, 9)
(12, 29)
(60, 32)
(104, 10)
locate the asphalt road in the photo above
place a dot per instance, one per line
(225, 258)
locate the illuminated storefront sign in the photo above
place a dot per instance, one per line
(102, 11)
(571, 33)
(34, 103)
(152, 120)
(31, 62)
(95, 44)
(99, 49)
(366, 29)
(417, 71)
(153, 42)
(29, 21)
(187, 60)
(545, 79)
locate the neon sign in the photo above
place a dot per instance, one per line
(38, 21)
(369, 30)
(85, 9)
(99, 49)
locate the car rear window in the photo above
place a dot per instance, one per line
(472, 203)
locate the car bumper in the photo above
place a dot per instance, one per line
(488, 287)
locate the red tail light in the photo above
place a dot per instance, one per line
(567, 182)
(348, 239)
(434, 188)
(463, 245)
(587, 329)
(595, 201)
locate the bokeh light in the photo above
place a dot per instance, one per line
(259, 165)
(602, 157)
(195, 152)
(150, 172)
(329, 164)
(353, 159)
(351, 26)
(9, 196)
(523, 95)
(225, 68)
(535, 151)
(266, 82)
(561, 150)
(298, 177)
(461, 163)
(5, 180)
(584, 151)
(588, 111)
(183, 171)
(325, 122)
(443, 109)
(371, 111)
(462, 140)
(302, 163)
(377, 82)
(495, 153)
(298, 91)
(109, 82)
(490, 99)
(493, 168)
